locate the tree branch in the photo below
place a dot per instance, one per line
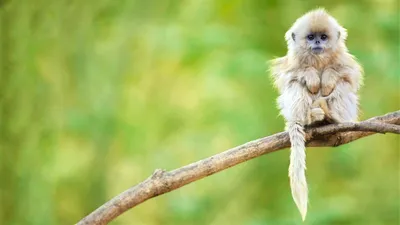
(162, 181)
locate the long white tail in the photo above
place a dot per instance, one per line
(297, 167)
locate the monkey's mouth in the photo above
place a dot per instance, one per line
(317, 50)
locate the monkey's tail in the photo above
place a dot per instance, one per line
(297, 167)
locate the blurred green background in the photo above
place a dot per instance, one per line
(95, 95)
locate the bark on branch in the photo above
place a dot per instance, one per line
(162, 181)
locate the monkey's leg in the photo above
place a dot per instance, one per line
(311, 79)
(295, 104)
(329, 79)
(343, 103)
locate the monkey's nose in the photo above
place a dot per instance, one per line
(317, 42)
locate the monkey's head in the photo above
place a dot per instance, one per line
(316, 33)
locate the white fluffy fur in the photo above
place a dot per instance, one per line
(297, 167)
(339, 76)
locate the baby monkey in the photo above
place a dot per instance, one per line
(317, 81)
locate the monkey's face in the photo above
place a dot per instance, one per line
(315, 34)
(317, 42)
(314, 42)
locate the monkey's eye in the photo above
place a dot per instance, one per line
(324, 37)
(310, 37)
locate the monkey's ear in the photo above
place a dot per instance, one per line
(293, 36)
(342, 34)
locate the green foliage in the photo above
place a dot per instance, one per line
(95, 95)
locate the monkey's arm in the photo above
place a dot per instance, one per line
(349, 72)
(284, 74)
(343, 103)
(279, 72)
(329, 78)
(310, 78)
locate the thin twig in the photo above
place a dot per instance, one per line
(162, 181)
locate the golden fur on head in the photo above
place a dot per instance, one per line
(315, 21)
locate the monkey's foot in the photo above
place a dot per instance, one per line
(317, 114)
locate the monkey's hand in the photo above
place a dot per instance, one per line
(329, 79)
(312, 80)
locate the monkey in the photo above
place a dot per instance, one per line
(317, 80)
